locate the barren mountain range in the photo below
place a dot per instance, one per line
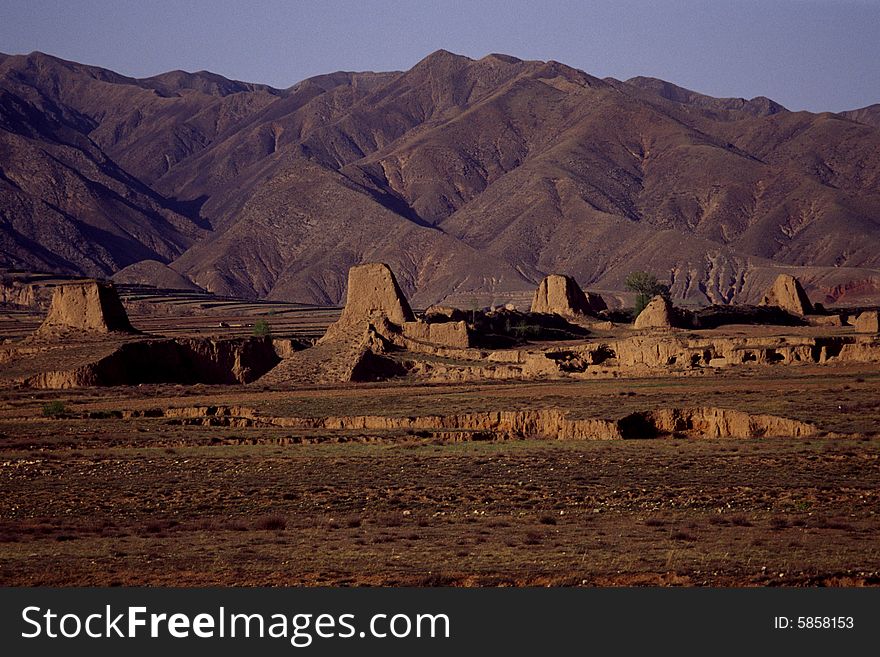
(466, 176)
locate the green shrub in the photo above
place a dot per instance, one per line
(261, 328)
(54, 409)
(523, 330)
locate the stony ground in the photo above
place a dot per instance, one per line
(520, 513)
(90, 498)
(105, 501)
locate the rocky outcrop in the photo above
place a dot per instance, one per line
(868, 321)
(561, 295)
(788, 294)
(657, 314)
(91, 306)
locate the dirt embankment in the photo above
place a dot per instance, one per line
(184, 360)
(700, 422)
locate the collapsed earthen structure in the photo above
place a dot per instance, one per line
(92, 306)
(561, 295)
(367, 344)
(657, 314)
(16, 294)
(378, 336)
(788, 294)
(375, 302)
(373, 292)
(867, 321)
(376, 319)
(87, 339)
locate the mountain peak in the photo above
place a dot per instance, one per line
(202, 81)
(505, 59)
(39, 57)
(442, 53)
(443, 58)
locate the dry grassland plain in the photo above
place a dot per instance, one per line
(107, 486)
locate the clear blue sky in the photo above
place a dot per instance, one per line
(806, 54)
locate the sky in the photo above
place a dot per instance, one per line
(818, 55)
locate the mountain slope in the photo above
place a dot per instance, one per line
(65, 205)
(467, 176)
(869, 115)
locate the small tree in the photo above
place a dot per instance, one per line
(646, 286)
(261, 328)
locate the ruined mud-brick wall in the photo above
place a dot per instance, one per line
(447, 334)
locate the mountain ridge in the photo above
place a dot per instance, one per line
(470, 177)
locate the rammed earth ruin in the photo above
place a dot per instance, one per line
(88, 340)
(566, 334)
